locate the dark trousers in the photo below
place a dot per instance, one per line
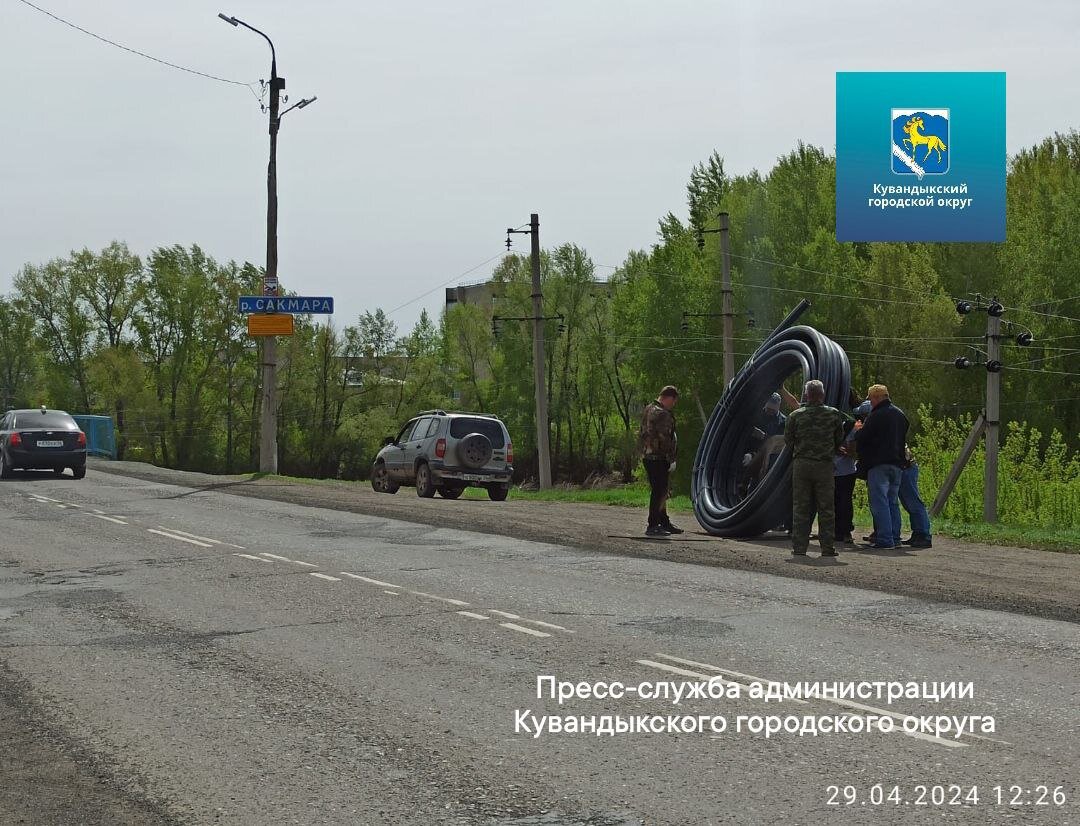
(657, 471)
(845, 507)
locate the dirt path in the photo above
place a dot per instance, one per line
(1021, 580)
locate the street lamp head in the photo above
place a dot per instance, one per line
(306, 102)
(227, 19)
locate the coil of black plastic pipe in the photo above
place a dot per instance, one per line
(718, 505)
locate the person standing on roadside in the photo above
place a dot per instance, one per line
(844, 474)
(881, 443)
(813, 434)
(658, 444)
(912, 502)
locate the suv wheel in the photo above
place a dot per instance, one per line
(381, 481)
(498, 493)
(58, 471)
(79, 472)
(425, 488)
(451, 493)
(475, 450)
(5, 471)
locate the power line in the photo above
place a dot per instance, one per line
(135, 51)
(500, 254)
(1054, 301)
(856, 278)
(838, 295)
(1046, 315)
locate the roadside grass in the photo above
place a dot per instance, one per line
(1062, 540)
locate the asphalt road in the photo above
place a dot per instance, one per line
(177, 655)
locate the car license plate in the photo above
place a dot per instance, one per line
(471, 477)
(50, 443)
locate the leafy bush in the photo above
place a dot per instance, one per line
(1038, 481)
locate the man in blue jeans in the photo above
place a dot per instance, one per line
(914, 505)
(881, 443)
(912, 502)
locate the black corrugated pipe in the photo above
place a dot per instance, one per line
(714, 485)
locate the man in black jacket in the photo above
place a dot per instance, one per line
(880, 444)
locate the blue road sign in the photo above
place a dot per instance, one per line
(287, 304)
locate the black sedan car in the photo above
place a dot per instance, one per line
(41, 440)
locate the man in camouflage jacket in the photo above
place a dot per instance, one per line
(813, 434)
(659, 444)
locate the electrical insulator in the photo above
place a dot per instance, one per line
(701, 241)
(962, 362)
(994, 366)
(1024, 339)
(963, 307)
(685, 326)
(996, 309)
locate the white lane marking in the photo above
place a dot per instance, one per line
(256, 558)
(371, 581)
(107, 518)
(61, 505)
(704, 677)
(201, 538)
(72, 505)
(275, 556)
(392, 593)
(846, 704)
(523, 629)
(712, 668)
(440, 599)
(327, 577)
(180, 538)
(471, 615)
(305, 564)
(95, 510)
(543, 624)
(44, 498)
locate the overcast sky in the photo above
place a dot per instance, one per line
(439, 124)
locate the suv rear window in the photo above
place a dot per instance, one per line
(48, 421)
(492, 428)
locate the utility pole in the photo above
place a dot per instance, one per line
(993, 404)
(988, 423)
(543, 428)
(725, 289)
(725, 294)
(268, 446)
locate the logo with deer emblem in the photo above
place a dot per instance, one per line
(920, 142)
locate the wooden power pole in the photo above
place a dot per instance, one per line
(725, 291)
(543, 428)
(993, 405)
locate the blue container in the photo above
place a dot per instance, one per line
(100, 435)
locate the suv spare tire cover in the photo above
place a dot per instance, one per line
(474, 450)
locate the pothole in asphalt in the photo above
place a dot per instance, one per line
(680, 626)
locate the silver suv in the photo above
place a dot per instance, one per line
(447, 452)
